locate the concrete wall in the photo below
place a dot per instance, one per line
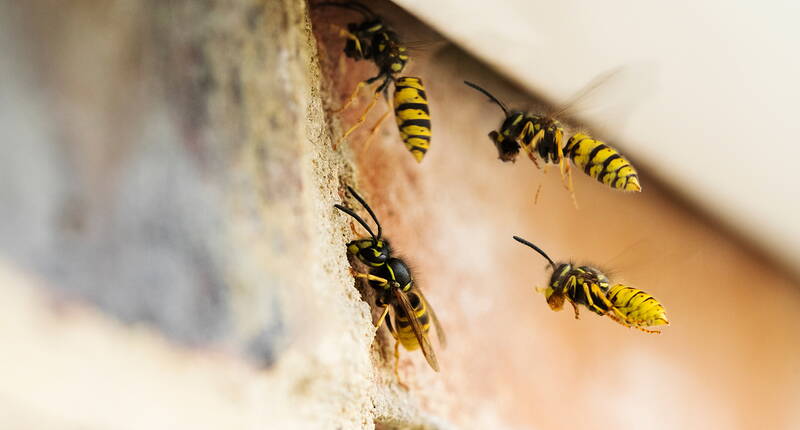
(170, 257)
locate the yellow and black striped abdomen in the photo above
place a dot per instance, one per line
(602, 162)
(640, 309)
(412, 116)
(405, 332)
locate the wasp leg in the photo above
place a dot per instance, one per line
(588, 294)
(577, 310)
(382, 317)
(360, 120)
(527, 130)
(536, 197)
(610, 306)
(626, 324)
(566, 176)
(368, 277)
(343, 32)
(619, 321)
(396, 367)
(563, 166)
(539, 188)
(346, 34)
(532, 143)
(397, 363)
(533, 158)
(352, 97)
(571, 187)
(619, 314)
(374, 131)
(384, 87)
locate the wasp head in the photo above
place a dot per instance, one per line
(507, 149)
(358, 45)
(361, 38)
(555, 294)
(373, 252)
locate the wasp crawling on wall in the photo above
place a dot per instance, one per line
(392, 279)
(543, 136)
(587, 286)
(373, 40)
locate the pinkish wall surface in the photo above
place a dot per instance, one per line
(513, 363)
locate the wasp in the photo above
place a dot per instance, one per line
(543, 136)
(373, 40)
(391, 277)
(587, 286)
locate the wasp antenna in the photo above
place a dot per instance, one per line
(535, 248)
(358, 218)
(369, 209)
(352, 5)
(488, 94)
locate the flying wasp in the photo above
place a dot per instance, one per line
(392, 279)
(373, 40)
(543, 136)
(587, 286)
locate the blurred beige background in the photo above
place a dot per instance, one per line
(170, 257)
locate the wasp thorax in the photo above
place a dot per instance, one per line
(513, 123)
(370, 251)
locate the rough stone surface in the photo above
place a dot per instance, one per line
(169, 163)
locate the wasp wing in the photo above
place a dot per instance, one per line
(422, 338)
(597, 82)
(612, 94)
(439, 329)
